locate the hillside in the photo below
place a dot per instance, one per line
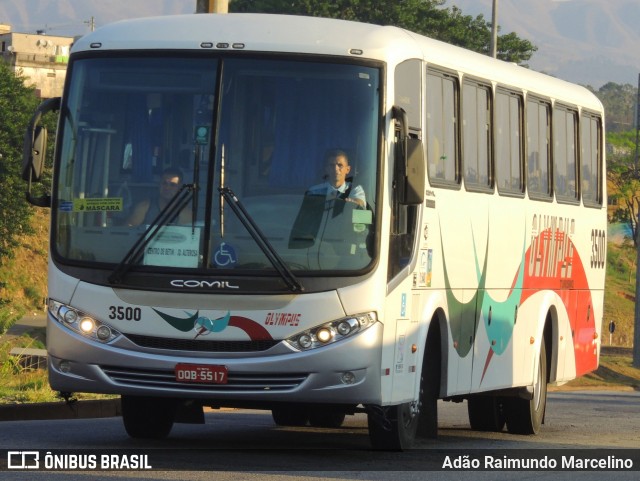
(23, 278)
(590, 42)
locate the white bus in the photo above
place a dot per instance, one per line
(463, 259)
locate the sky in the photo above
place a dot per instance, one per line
(590, 42)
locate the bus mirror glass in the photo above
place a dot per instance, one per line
(414, 176)
(35, 142)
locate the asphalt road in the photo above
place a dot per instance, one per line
(235, 445)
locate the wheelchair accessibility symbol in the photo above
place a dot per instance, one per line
(225, 256)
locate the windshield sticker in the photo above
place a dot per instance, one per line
(359, 216)
(203, 326)
(202, 135)
(111, 204)
(174, 246)
(225, 255)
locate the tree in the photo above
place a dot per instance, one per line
(619, 102)
(17, 102)
(426, 17)
(625, 193)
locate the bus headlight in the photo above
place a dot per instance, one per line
(81, 322)
(332, 331)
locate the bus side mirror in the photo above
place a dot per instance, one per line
(410, 164)
(414, 175)
(34, 155)
(34, 150)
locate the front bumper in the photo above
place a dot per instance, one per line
(279, 374)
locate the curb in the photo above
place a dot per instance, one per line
(61, 410)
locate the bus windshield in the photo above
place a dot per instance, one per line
(296, 142)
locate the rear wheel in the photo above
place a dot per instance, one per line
(148, 417)
(486, 413)
(525, 416)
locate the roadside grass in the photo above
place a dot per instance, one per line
(619, 295)
(23, 277)
(615, 372)
(21, 384)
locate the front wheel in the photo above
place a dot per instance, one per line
(525, 416)
(148, 417)
(393, 428)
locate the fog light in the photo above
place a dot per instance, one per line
(65, 366)
(324, 334)
(103, 333)
(348, 377)
(86, 325)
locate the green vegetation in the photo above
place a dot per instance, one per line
(22, 384)
(17, 103)
(619, 298)
(23, 275)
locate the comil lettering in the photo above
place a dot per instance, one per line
(193, 283)
(551, 247)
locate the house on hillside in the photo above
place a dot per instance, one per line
(41, 58)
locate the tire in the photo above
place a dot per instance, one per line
(327, 417)
(148, 417)
(430, 387)
(292, 415)
(486, 413)
(392, 428)
(525, 416)
(395, 428)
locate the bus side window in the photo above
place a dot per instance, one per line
(565, 153)
(538, 145)
(442, 128)
(590, 159)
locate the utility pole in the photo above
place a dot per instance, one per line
(636, 319)
(637, 126)
(91, 23)
(493, 48)
(212, 6)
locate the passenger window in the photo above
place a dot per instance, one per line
(565, 154)
(508, 142)
(538, 149)
(442, 128)
(590, 159)
(476, 135)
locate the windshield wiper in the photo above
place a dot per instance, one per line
(278, 263)
(166, 215)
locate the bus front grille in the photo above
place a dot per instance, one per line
(200, 345)
(166, 379)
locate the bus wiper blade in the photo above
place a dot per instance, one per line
(166, 215)
(278, 263)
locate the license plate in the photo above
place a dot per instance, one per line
(201, 373)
